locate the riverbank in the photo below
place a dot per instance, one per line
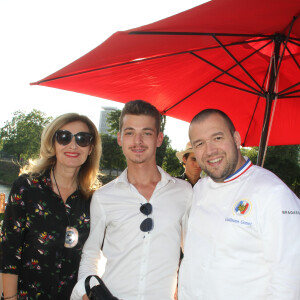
(9, 171)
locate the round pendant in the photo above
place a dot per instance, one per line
(71, 238)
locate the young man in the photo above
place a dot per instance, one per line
(244, 226)
(192, 169)
(138, 217)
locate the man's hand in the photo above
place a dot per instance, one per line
(85, 297)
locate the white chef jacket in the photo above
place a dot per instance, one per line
(243, 239)
(139, 265)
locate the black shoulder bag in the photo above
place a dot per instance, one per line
(98, 292)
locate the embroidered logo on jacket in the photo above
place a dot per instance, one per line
(242, 207)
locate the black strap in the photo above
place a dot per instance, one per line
(104, 287)
(87, 283)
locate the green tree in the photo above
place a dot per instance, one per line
(284, 162)
(113, 120)
(251, 153)
(21, 136)
(171, 164)
(161, 151)
(281, 160)
(112, 156)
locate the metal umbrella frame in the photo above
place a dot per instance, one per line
(128, 62)
(270, 94)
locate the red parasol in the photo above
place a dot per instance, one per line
(240, 56)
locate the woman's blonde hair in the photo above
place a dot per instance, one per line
(89, 171)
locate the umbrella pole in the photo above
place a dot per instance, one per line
(264, 135)
(270, 96)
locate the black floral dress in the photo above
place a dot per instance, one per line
(33, 236)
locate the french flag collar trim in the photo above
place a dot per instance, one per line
(247, 165)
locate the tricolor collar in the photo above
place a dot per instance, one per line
(246, 166)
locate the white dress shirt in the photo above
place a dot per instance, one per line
(140, 265)
(243, 240)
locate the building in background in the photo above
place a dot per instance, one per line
(103, 128)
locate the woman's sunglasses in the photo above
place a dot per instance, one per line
(147, 224)
(64, 137)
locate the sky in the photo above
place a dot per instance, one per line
(39, 37)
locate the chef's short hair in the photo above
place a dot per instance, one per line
(204, 114)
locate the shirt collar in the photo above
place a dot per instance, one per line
(246, 166)
(165, 177)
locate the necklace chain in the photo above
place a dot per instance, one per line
(56, 183)
(61, 196)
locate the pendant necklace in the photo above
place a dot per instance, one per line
(71, 237)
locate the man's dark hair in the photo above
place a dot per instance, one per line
(186, 156)
(202, 115)
(140, 107)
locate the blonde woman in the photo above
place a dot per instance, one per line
(47, 217)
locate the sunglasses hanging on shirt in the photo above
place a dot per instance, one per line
(64, 137)
(147, 224)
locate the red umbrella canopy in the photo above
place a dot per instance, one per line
(240, 56)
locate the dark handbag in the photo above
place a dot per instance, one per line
(98, 292)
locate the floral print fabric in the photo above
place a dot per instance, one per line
(33, 236)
